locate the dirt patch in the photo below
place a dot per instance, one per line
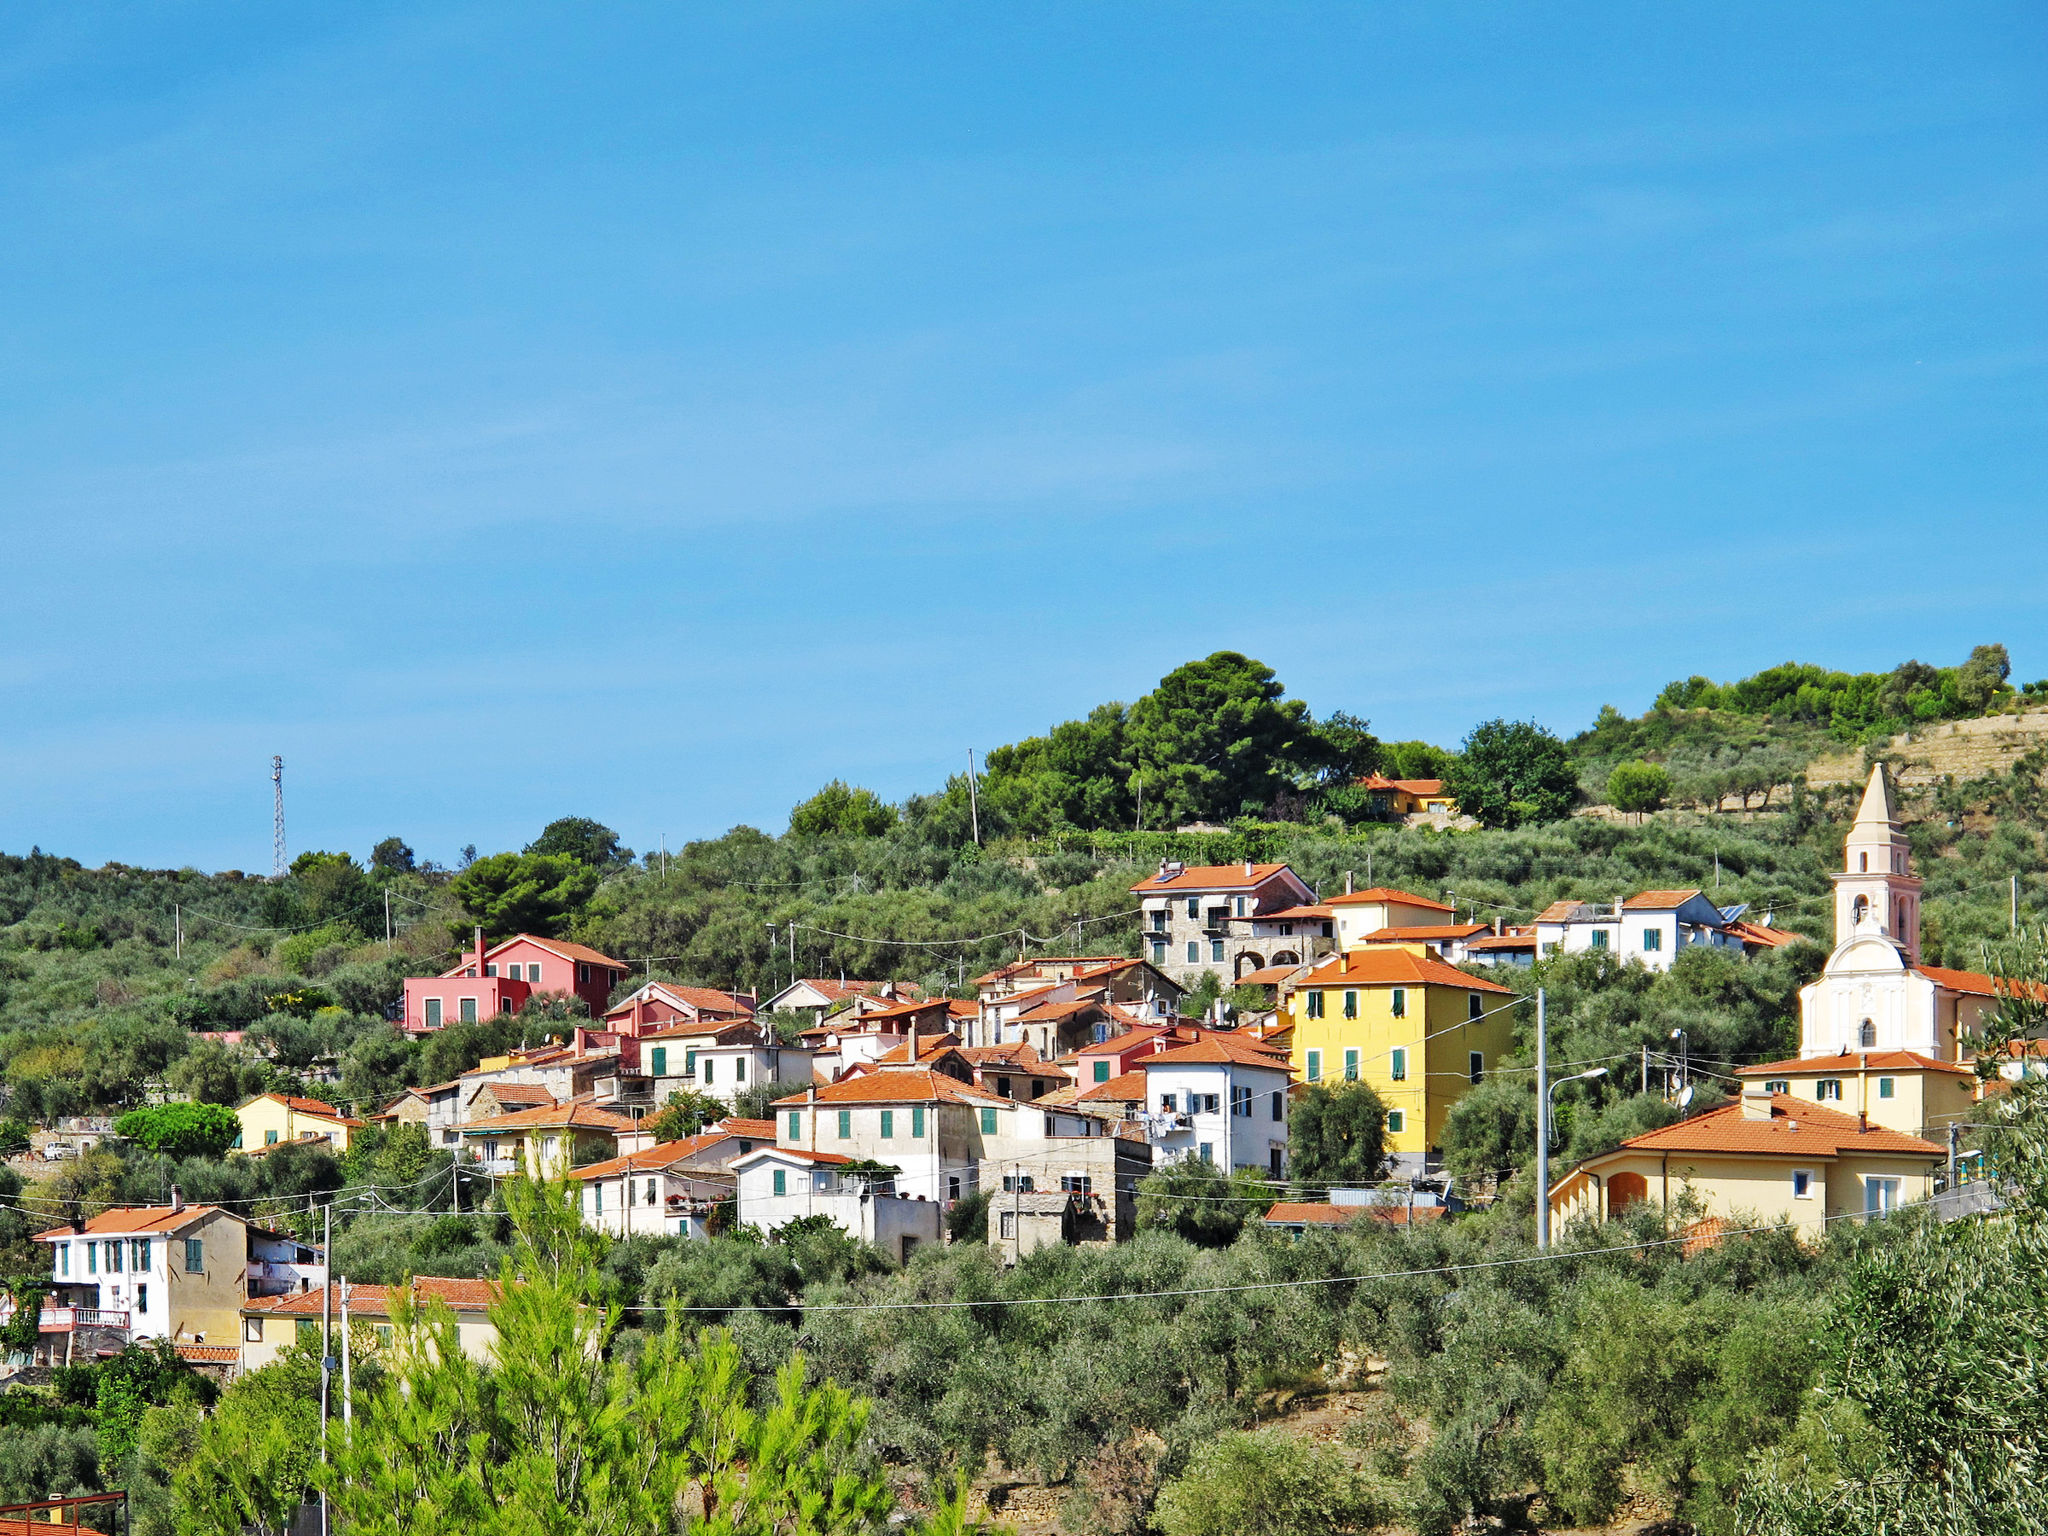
(1968, 749)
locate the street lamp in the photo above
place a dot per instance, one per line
(1546, 1102)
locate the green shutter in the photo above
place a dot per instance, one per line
(988, 1122)
(781, 1184)
(845, 1125)
(660, 1063)
(796, 1125)
(916, 1120)
(888, 1124)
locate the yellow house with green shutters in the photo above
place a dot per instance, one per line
(1421, 1032)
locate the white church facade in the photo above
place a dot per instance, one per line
(1875, 994)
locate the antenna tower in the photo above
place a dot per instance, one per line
(277, 836)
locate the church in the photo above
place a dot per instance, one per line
(1875, 993)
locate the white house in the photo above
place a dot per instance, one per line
(1222, 1100)
(778, 1185)
(666, 1190)
(1650, 926)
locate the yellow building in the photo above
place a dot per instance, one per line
(1421, 1032)
(270, 1118)
(1358, 913)
(547, 1142)
(1770, 1158)
(1900, 1090)
(273, 1324)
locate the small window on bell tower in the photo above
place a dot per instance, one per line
(1863, 863)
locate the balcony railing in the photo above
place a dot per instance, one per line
(70, 1319)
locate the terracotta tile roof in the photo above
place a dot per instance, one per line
(701, 998)
(1210, 877)
(903, 1012)
(1797, 1128)
(1704, 1234)
(1129, 1088)
(1382, 893)
(1425, 932)
(9, 1526)
(1047, 1012)
(1423, 787)
(205, 1354)
(1319, 1213)
(576, 1114)
(1767, 938)
(136, 1220)
(928, 1049)
(1658, 901)
(752, 1129)
(662, 1155)
(300, 1106)
(1855, 1061)
(836, 991)
(375, 1300)
(1116, 1045)
(1019, 967)
(514, 1093)
(1217, 1050)
(560, 947)
(1017, 1053)
(960, 1008)
(805, 1153)
(1975, 983)
(1397, 967)
(718, 1031)
(303, 1139)
(910, 1085)
(1560, 911)
(1504, 941)
(1288, 914)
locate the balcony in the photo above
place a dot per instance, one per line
(71, 1319)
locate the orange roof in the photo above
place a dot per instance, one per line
(836, 990)
(1129, 1088)
(574, 1115)
(1423, 787)
(136, 1220)
(1975, 983)
(1768, 938)
(1424, 932)
(662, 1155)
(928, 1048)
(749, 1128)
(904, 1011)
(1116, 1045)
(1855, 1061)
(1322, 1213)
(205, 1354)
(910, 1085)
(1658, 901)
(1044, 1012)
(1211, 877)
(1397, 967)
(1385, 893)
(803, 1152)
(375, 1300)
(695, 997)
(1018, 967)
(1288, 914)
(1797, 1128)
(561, 947)
(1271, 976)
(514, 1093)
(1504, 941)
(300, 1106)
(1560, 911)
(1217, 1050)
(9, 1526)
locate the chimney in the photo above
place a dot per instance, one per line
(1862, 1121)
(913, 1042)
(1247, 869)
(1756, 1102)
(177, 1200)
(1347, 882)
(1162, 868)
(479, 949)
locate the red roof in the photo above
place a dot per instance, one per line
(375, 1300)
(1976, 983)
(911, 1085)
(749, 1128)
(307, 1107)
(835, 991)
(803, 1152)
(1217, 1050)
(1504, 941)
(1387, 894)
(1288, 914)
(1797, 1128)
(1271, 976)
(1764, 938)
(1424, 933)
(702, 998)
(1397, 967)
(662, 1155)
(1856, 1061)
(1128, 1088)
(929, 1048)
(193, 1354)
(1322, 1214)
(136, 1220)
(1425, 788)
(1211, 877)
(574, 1115)
(1659, 901)
(1018, 967)
(560, 947)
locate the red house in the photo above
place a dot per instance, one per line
(500, 979)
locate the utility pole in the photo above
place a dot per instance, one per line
(277, 865)
(387, 919)
(2014, 921)
(664, 858)
(178, 929)
(1646, 1069)
(1542, 1123)
(1955, 1137)
(348, 1406)
(792, 951)
(326, 1334)
(973, 800)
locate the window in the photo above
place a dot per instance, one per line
(1099, 1034)
(1880, 1196)
(650, 1193)
(1167, 1104)
(491, 970)
(1205, 1102)
(383, 1333)
(1859, 911)
(739, 1069)
(1884, 1087)
(195, 1255)
(270, 1138)
(1599, 940)
(710, 1062)
(1777, 1085)
(467, 1011)
(1315, 1063)
(888, 1124)
(1866, 1034)
(1315, 1005)
(1101, 1071)
(1241, 1102)
(1280, 1104)
(781, 1182)
(1159, 951)
(1003, 1087)
(1238, 907)
(796, 1125)
(953, 1186)
(1017, 1183)
(583, 970)
(504, 1005)
(1475, 1065)
(1802, 1183)
(988, 1122)
(916, 1121)
(1194, 952)
(1350, 1005)
(1399, 1002)
(1474, 1007)
(1397, 1121)
(597, 1199)
(1194, 906)
(1076, 1184)
(92, 1258)
(1206, 1153)
(142, 1298)
(658, 1062)
(1653, 940)
(1828, 1088)
(252, 1330)
(433, 1013)
(689, 1063)
(1862, 868)
(846, 1125)
(63, 1258)
(1397, 1067)
(1215, 949)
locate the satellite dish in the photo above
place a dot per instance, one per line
(1685, 1096)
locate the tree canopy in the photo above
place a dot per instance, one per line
(181, 1130)
(842, 810)
(1513, 773)
(588, 842)
(523, 893)
(1217, 739)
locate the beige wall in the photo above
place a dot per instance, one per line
(1758, 1189)
(1922, 1103)
(265, 1336)
(262, 1117)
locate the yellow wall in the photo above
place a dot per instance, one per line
(1355, 921)
(1921, 1102)
(267, 1334)
(1749, 1188)
(1437, 1068)
(264, 1115)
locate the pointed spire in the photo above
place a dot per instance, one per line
(1878, 804)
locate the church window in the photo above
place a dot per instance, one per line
(1861, 910)
(1866, 1034)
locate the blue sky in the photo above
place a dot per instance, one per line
(508, 411)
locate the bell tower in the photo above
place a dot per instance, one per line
(1877, 891)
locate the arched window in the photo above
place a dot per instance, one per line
(1624, 1190)
(1860, 910)
(1866, 1034)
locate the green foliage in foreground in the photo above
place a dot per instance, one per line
(1269, 1484)
(181, 1130)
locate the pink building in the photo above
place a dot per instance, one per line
(500, 979)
